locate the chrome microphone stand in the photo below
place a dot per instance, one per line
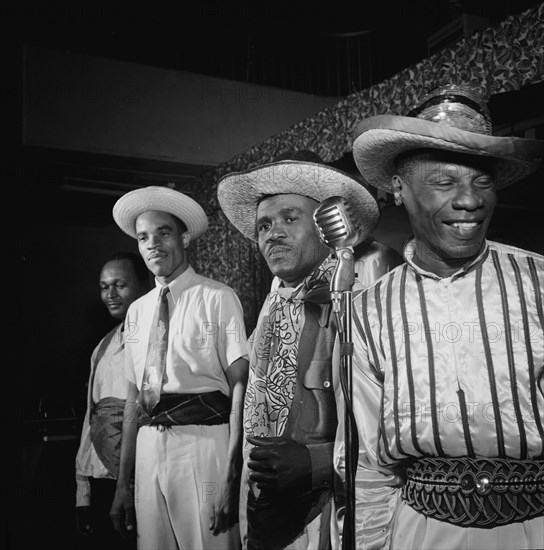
(338, 230)
(342, 294)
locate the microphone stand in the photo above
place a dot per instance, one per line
(341, 294)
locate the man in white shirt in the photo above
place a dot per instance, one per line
(123, 279)
(185, 449)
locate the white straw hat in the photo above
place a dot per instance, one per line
(239, 193)
(451, 118)
(163, 199)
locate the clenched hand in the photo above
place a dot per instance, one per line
(279, 464)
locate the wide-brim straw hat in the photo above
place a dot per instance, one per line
(299, 173)
(162, 199)
(450, 118)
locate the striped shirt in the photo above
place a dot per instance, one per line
(460, 359)
(445, 367)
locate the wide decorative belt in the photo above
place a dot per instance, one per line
(476, 492)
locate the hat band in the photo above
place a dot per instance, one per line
(455, 110)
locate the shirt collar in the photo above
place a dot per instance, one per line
(279, 286)
(287, 292)
(410, 249)
(179, 284)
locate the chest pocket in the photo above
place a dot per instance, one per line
(319, 376)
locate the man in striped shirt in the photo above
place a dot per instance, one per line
(449, 347)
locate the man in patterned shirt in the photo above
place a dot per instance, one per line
(290, 418)
(449, 354)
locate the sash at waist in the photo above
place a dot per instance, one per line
(182, 409)
(110, 406)
(106, 422)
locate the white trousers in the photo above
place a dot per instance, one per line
(178, 476)
(413, 530)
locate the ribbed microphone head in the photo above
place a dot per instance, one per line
(334, 220)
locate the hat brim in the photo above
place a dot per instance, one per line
(239, 193)
(381, 139)
(163, 199)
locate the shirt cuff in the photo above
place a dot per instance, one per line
(322, 464)
(83, 491)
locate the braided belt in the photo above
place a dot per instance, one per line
(476, 492)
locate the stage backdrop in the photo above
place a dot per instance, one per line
(499, 59)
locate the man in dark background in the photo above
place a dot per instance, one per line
(123, 279)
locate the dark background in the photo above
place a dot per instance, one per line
(323, 48)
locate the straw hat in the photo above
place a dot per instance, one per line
(450, 118)
(162, 199)
(300, 173)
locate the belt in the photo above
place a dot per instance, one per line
(476, 492)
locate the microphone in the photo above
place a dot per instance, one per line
(337, 230)
(333, 218)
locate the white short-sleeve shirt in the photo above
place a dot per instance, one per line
(206, 334)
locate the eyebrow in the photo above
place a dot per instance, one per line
(161, 228)
(451, 169)
(282, 212)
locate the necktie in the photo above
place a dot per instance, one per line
(155, 361)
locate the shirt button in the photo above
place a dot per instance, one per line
(326, 384)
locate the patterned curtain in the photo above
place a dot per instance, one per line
(499, 59)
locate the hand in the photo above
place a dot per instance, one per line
(225, 508)
(122, 512)
(279, 464)
(83, 520)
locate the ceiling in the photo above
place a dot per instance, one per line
(329, 49)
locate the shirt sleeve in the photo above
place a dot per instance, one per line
(83, 491)
(83, 457)
(376, 492)
(231, 338)
(321, 455)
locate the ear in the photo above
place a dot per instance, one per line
(397, 189)
(186, 239)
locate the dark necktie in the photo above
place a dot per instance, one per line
(155, 362)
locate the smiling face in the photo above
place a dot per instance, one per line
(162, 243)
(450, 199)
(288, 238)
(119, 287)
